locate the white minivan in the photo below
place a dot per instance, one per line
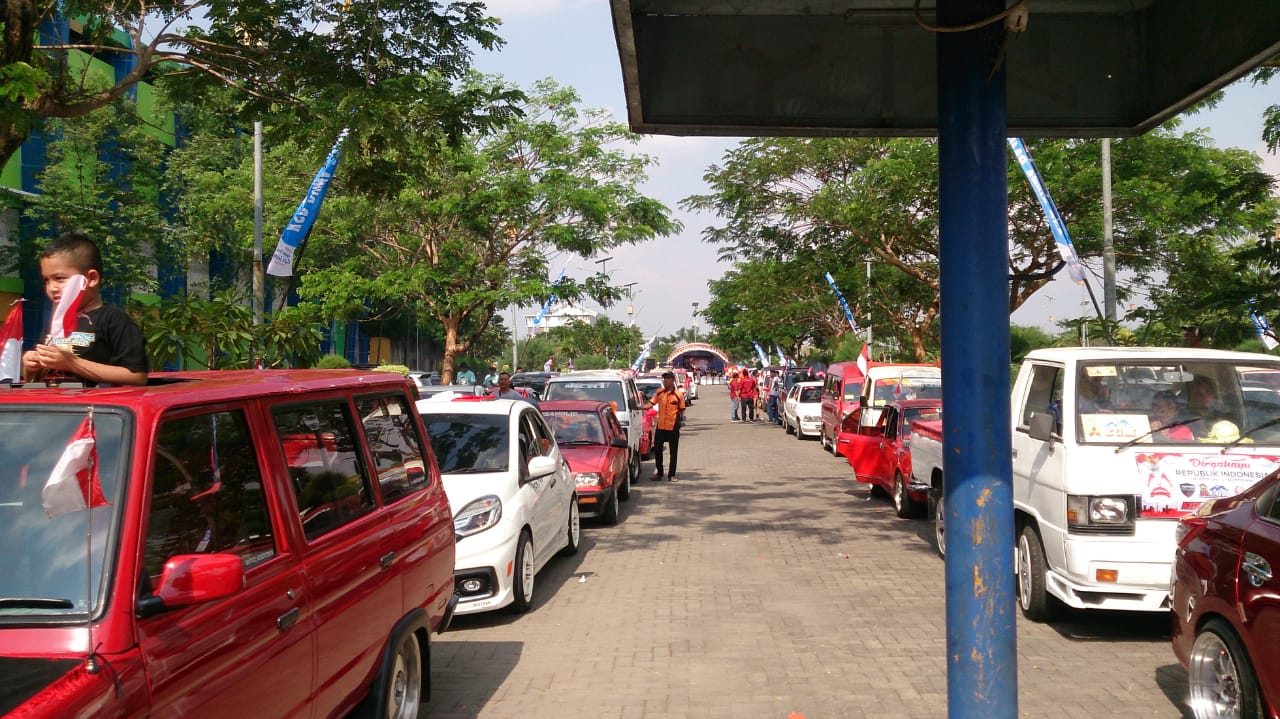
(614, 387)
(1111, 446)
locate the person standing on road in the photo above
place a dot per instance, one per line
(775, 394)
(670, 404)
(747, 393)
(465, 375)
(550, 364)
(734, 400)
(504, 390)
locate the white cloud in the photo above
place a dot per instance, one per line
(512, 8)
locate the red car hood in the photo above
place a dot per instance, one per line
(586, 457)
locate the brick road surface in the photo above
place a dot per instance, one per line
(765, 583)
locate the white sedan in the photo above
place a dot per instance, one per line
(802, 409)
(513, 498)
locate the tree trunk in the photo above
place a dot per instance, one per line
(451, 348)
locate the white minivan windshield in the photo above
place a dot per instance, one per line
(1218, 403)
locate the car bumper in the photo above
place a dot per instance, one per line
(492, 565)
(592, 501)
(1115, 597)
(809, 428)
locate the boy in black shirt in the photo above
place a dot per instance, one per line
(107, 346)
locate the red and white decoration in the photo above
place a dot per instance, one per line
(73, 484)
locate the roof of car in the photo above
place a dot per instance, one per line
(808, 383)
(167, 389)
(1090, 354)
(469, 406)
(571, 405)
(592, 373)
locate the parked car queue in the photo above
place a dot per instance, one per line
(1224, 590)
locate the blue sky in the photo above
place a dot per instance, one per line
(572, 41)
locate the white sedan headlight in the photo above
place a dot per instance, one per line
(586, 479)
(477, 516)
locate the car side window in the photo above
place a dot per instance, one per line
(394, 444)
(207, 492)
(541, 439)
(1044, 395)
(319, 443)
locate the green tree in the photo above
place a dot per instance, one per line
(117, 206)
(470, 228)
(340, 57)
(835, 202)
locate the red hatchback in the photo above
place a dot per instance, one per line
(1226, 603)
(873, 439)
(595, 444)
(276, 543)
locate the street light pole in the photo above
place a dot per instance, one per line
(695, 321)
(630, 308)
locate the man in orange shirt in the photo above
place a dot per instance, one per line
(670, 404)
(733, 396)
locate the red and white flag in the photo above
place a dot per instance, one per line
(864, 359)
(73, 484)
(68, 310)
(11, 345)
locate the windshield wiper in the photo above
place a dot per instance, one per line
(578, 442)
(472, 470)
(1141, 437)
(1264, 425)
(35, 603)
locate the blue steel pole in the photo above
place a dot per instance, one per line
(982, 664)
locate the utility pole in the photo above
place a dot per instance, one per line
(258, 284)
(695, 321)
(1108, 249)
(868, 293)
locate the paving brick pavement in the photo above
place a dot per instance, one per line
(767, 582)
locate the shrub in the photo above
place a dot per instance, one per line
(333, 362)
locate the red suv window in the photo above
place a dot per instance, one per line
(207, 493)
(329, 481)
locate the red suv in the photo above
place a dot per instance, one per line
(277, 542)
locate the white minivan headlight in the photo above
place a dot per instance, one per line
(1100, 515)
(477, 516)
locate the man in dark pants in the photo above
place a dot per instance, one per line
(670, 404)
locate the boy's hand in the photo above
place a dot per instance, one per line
(59, 357)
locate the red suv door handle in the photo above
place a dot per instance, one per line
(288, 619)
(386, 559)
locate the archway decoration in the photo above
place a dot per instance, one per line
(698, 355)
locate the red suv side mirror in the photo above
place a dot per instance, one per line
(196, 578)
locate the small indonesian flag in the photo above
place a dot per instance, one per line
(864, 359)
(66, 313)
(73, 485)
(11, 345)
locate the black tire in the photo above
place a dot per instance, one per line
(1221, 676)
(610, 514)
(786, 426)
(624, 492)
(633, 465)
(1034, 599)
(405, 691)
(940, 525)
(903, 504)
(522, 583)
(575, 527)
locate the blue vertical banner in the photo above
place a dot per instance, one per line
(552, 299)
(1059, 228)
(299, 225)
(644, 354)
(1263, 328)
(764, 358)
(848, 313)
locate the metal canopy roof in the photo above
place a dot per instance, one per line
(861, 67)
